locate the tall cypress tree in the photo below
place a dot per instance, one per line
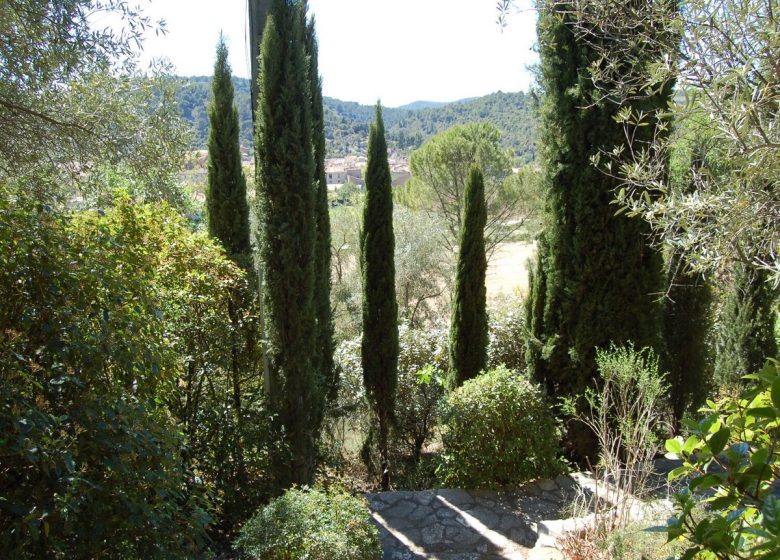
(469, 325)
(228, 210)
(596, 280)
(285, 210)
(687, 322)
(379, 350)
(322, 280)
(686, 326)
(745, 336)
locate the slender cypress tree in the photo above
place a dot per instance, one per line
(322, 281)
(228, 210)
(379, 350)
(745, 336)
(285, 210)
(469, 325)
(596, 279)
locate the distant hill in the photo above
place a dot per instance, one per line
(422, 105)
(347, 122)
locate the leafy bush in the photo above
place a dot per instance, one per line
(312, 524)
(93, 462)
(732, 464)
(500, 430)
(422, 361)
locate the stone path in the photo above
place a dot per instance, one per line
(522, 524)
(471, 525)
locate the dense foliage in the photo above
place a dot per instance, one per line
(312, 523)
(731, 465)
(440, 171)
(226, 203)
(74, 107)
(347, 123)
(491, 440)
(469, 322)
(286, 239)
(112, 349)
(323, 359)
(379, 350)
(596, 279)
(745, 331)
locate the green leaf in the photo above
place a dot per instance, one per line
(690, 444)
(776, 393)
(719, 440)
(674, 445)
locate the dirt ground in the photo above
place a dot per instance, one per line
(507, 272)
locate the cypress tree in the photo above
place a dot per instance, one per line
(379, 350)
(686, 326)
(285, 210)
(322, 281)
(228, 210)
(469, 325)
(687, 321)
(596, 281)
(745, 335)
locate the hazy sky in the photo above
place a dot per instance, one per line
(396, 50)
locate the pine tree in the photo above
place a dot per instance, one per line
(596, 280)
(322, 280)
(379, 350)
(285, 210)
(228, 210)
(469, 325)
(745, 336)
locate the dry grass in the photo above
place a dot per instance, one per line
(507, 272)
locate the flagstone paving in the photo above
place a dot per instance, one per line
(452, 524)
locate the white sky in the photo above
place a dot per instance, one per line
(397, 50)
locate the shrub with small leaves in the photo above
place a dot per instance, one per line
(313, 524)
(732, 464)
(500, 430)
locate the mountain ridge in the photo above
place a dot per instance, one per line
(407, 127)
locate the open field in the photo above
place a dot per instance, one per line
(507, 271)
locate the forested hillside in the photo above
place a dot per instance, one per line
(346, 122)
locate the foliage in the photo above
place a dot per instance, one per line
(723, 53)
(422, 361)
(595, 274)
(93, 460)
(469, 323)
(379, 350)
(228, 210)
(490, 439)
(74, 106)
(731, 463)
(745, 328)
(312, 523)
(623, 412)
(508, 336)
(440, 171)
(322, 251)
(423, 272)
(286, 240)
(687, 321)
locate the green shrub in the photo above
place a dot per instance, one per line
(731, 462)
(500, 430)
(312, 524)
